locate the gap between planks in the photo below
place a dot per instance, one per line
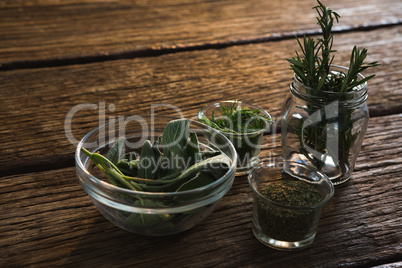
(155, 52)
(272, 148)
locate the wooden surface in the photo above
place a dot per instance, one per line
(41, 98)
(46, 32)
(58, 54)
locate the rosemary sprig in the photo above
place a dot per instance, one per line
(326, 20)
(357, 65)
(313, 68)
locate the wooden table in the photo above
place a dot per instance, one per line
(124, 56)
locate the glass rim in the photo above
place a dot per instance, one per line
(361, 88)
(317, 205)
(112, 187)
(218, 104)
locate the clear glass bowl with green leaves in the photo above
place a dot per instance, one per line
(161, 197)
(243, 124)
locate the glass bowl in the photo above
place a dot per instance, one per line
(247, 145)
(304, 191)
(150, 213)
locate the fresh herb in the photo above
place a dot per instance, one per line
(172, 163)
(312, 68)
(243, 127)
(288, 223)
(237, 120)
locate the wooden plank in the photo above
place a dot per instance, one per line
(54, 30)
(36, 102)
(46, 219)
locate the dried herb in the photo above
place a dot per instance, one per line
(292, 193)
(292, 220)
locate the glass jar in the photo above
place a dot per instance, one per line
(247, 144)
(303, 191)
(325, 129)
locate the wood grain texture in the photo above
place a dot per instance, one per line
(46, 219)
(124, 56)
(36, 102)
(51, 30)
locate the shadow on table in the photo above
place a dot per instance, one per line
(219, 240)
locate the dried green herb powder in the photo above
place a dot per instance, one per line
(288, 224)
(292, 193)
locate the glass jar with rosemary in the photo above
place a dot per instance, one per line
(243, 124)
(326, 115)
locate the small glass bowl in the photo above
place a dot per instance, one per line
(287, 227)
(247, 145)
(150, 213)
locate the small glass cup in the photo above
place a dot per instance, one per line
(247, 144)
(287, 226)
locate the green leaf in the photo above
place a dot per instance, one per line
(128, 172)
(322, 81)
(128, 164)
(156, 146)
(198, 181)
(175, 137)
(218, 170)
(295, 62)
(114, 153)
(148, 163)
(192, 150)
(130, 156)
(145, 220)
(115, 174)
(102, 162)
(362, 81)
(128, 168)
(208, 154)
(217, 161)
